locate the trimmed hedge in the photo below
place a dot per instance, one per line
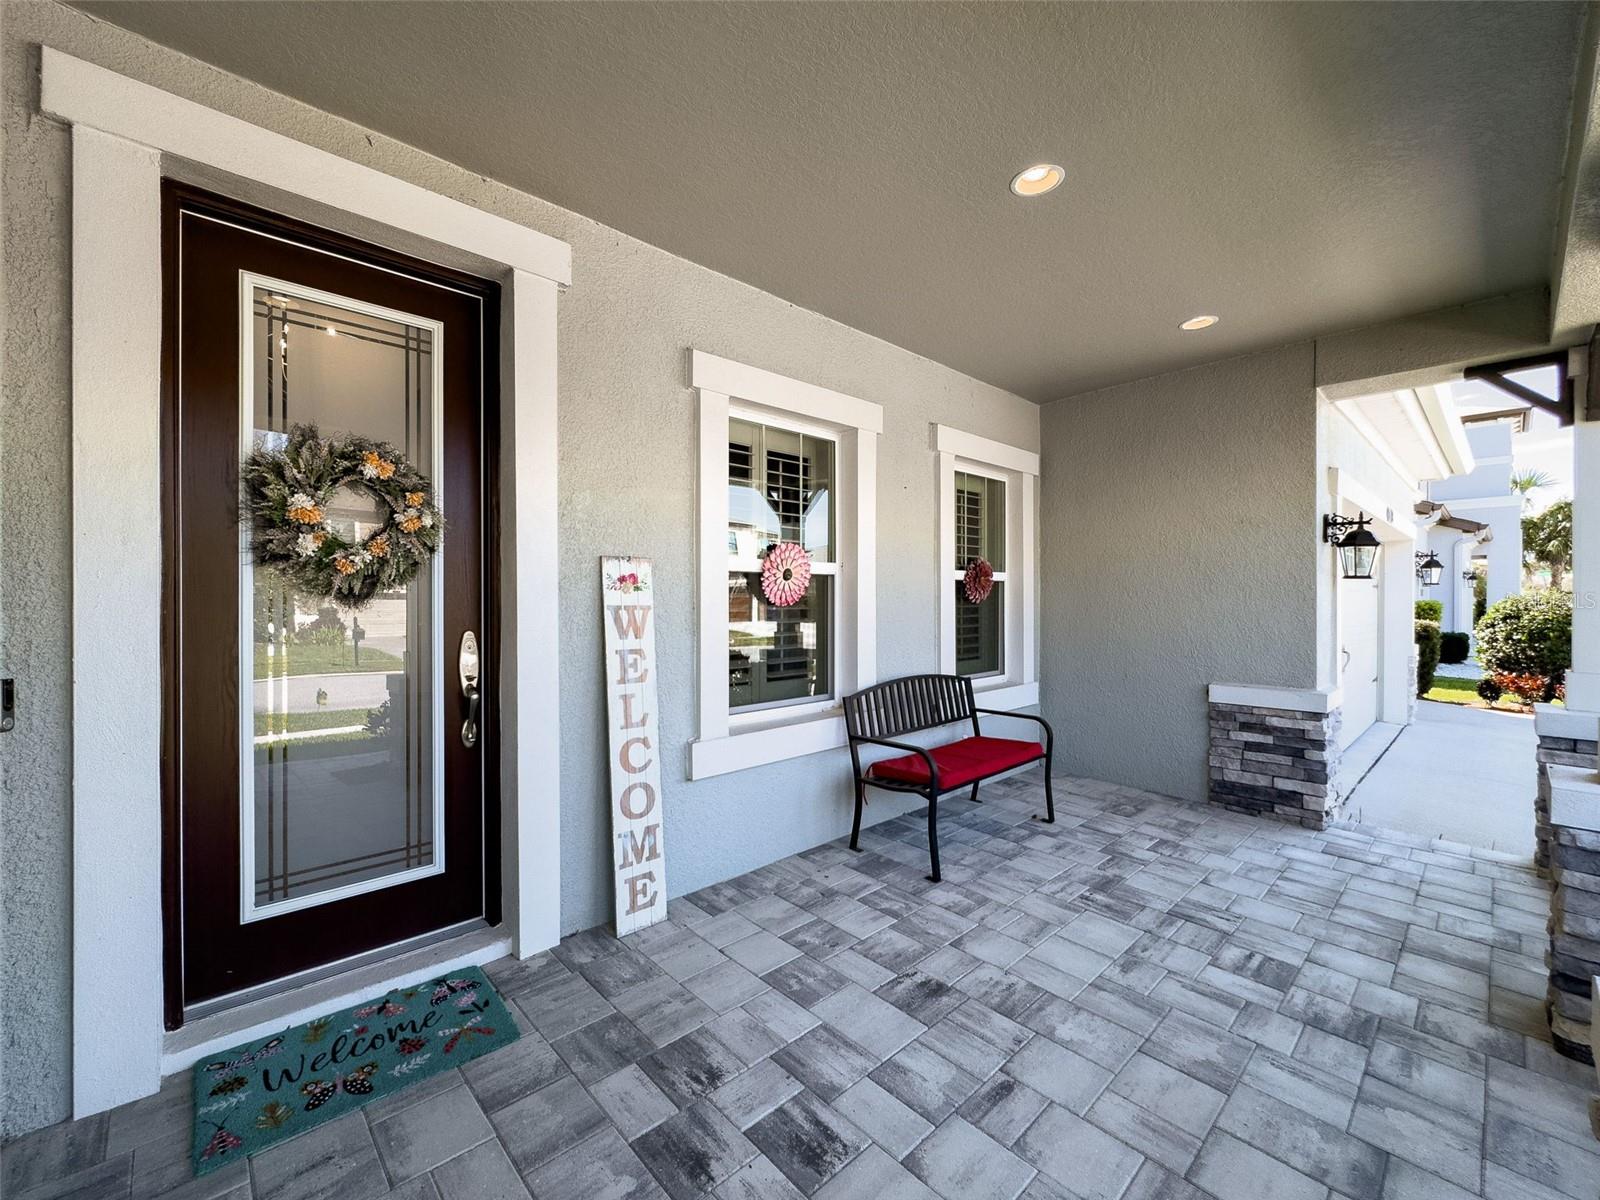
(1427, 639)
(1429, 610)
(1528, 635)
(1454, 647)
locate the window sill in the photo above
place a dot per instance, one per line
(769, 743)
(1002, 693)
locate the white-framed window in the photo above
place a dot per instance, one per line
(780, 461)
(988, 494)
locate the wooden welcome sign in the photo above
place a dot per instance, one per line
(628, 599)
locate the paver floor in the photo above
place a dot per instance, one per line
(1464, 774)
(1147, 1000)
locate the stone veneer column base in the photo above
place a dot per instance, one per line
(1562, 752)
(1277, 762)
(1574, 957)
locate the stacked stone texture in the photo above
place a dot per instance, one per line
(1574, 937)
(1566, 752)
(1275, 761)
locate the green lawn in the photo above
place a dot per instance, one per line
(323, 718)
(311, 659)
(1465, 691)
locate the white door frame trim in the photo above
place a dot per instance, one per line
(126, 136)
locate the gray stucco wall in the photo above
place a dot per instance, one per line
(627, 458)
(1179, 517)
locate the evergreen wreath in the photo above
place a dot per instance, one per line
(286, 497)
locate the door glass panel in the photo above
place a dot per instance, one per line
(342, 768)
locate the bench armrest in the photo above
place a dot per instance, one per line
(933, 767)
(1049, 734)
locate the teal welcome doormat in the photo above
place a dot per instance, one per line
(271, 1089)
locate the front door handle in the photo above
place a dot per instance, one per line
(467, 663)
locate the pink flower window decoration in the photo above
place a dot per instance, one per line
(785, 574)
(979, 581)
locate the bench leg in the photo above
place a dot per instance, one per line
(974, 796)
(1049, 796)
(855, 829)
(933, 836)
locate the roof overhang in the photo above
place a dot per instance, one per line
(1416, 430)
(1434, 513)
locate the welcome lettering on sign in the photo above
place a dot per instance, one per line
(628, 600)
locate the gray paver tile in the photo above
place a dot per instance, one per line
(872, 1173)
(417, 1139)
(601, 1168)
(539, 1126)
(482, 1173)
(1228, 1167)
(1092, 1163)
(807, 1140)
(963, 1163)
(632, 1100)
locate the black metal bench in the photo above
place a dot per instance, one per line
(879, 714)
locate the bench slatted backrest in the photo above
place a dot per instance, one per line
(901, 706)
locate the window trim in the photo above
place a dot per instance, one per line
(1017, 684)
(734, 741)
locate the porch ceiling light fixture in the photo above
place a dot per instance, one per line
(1196, 323)
(1037, 179)
(1429, 568)
(1357, 545)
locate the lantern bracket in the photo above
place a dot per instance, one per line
(1334, 527)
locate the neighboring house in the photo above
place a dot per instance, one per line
(1379, 454)
(1479, 526)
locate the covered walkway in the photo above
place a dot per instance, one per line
(1457, 773)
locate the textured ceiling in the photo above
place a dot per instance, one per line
(1294, 168)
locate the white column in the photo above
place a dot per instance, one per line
(116, 620)
(530, 667)
(1583, 681)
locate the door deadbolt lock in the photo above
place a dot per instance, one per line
(8, 705)
(467, 663)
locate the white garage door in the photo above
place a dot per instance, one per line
(1358, 656)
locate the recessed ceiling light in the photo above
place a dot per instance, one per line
(1038, 179)
(1193, 323)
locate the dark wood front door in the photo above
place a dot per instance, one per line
(322, 801)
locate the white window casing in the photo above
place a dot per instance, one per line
(1017, 684)
(727, 390)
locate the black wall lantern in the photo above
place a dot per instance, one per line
(1429, 568)
(1357, 545)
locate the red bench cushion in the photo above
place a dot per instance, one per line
(960, 762)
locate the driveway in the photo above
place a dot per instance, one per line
(1464, 774)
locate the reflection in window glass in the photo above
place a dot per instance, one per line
(780, 489)
(777, 654)
(980, 520)
(343, 725)
(979, 632)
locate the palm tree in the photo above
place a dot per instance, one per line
(1524, 483)
(1547, 541)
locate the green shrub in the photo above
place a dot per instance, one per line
(1528, 635)
(1480, 595)
(326, 630)
(1454, 647)
(1429, 610)
(1427, 638)
(1490, 690)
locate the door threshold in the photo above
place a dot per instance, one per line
(182, 1048)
